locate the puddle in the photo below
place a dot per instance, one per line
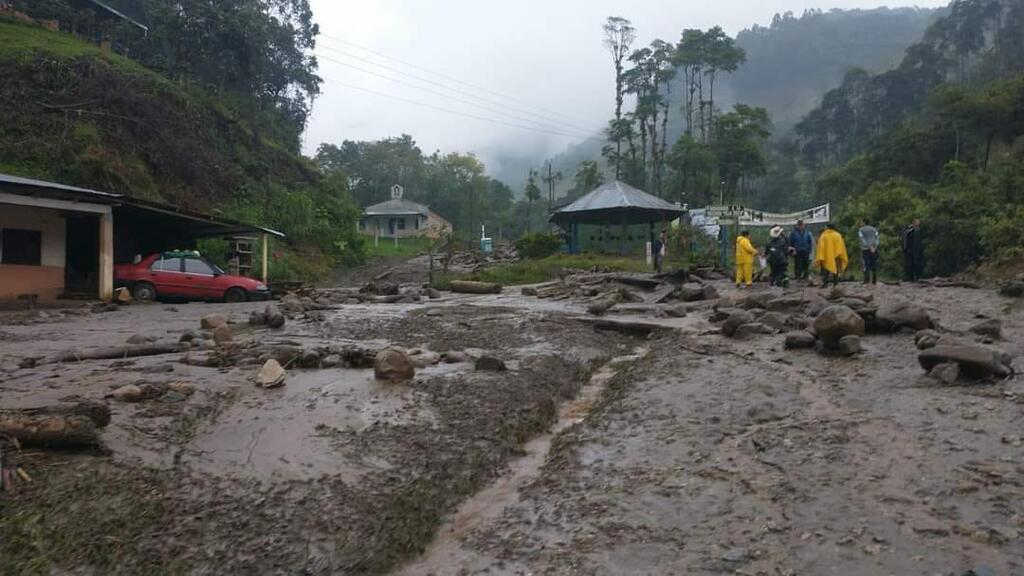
(445, 555)
(279, 434)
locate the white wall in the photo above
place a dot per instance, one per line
(46, 220)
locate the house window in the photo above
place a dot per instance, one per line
(401, 223)
(23, 247)
(417, 222)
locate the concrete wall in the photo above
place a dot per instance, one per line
(46, 280)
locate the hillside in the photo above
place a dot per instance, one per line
(78, 114)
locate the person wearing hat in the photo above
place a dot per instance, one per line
(832, 257)
(778, 255)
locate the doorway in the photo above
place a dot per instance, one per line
(82, 256)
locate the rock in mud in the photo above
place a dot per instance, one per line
(751, 330)
(759, 300)
(736, 555)
(128, 393)
(183, 388)
(271, 375)
(786, 304)
(455, 357)
(309, 359)
(257, 319)
(212, 321)
(141, 339)
(850, 345)
(676, 311)
(710, 292)
(189, 335)
(431, 293)
(976, 362)
(991, 328)
(691, 292)
(275, 319)
(424, 359)
(434, 312)
(722, 314)
(393, 365)
(776, 320)
(835, 322)
(222, 334)
(735, 320)
(926, 339)
(896, 315)
(947, 373)
(292, 304)
(490, 364)
(801, 340)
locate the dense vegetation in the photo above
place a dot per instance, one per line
(76, 113)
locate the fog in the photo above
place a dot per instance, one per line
(508, 81)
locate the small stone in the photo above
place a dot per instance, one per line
(171, 397)
(434, 312)
(257, 319)
(275, 319)
(393, 365)
(271, 374)
(490, 364)
(926, 339)
(736, 555)
(850, 345)
(128, 393)
(212, 321)
(676, 311)
(800, 340)
(189, 335)
(141, 339)
(455, 357)
(183, 388)
(222, 334)
(752, 329)
(991, 328)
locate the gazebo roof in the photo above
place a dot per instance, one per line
(617, 203)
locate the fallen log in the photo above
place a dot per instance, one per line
(50, 430)
(470, 287)
(98, 412)
(116, 352)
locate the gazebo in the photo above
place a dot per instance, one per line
(614, 203)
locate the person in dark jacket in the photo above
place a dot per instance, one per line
(658, 249)
(802, 243)
(913, 251)
(777, 253)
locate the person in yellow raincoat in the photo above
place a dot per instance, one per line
(745, 253)
(831, 258)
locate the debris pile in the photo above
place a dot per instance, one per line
(603, 292)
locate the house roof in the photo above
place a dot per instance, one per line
(197, 223)
(617, 203)
(397, 207)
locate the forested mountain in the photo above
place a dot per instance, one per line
(789, 64)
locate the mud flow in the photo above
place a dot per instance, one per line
(543, 431)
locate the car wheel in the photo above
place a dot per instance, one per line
(234, 295)
(144, 292)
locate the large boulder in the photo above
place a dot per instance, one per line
(275, 319)
(710, 292)
(721, 314)
(835, 322)
(393, 365)
(991, 328)
(976, 362)
(896, 315)
(776, 320)
(222, 334)
(735, 320)
(691, 292)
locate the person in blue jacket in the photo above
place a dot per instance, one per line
(802, 243)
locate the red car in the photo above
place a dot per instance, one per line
(188, 276)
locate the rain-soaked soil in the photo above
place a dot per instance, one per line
(681, 452)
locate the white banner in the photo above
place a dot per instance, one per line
(753, 218)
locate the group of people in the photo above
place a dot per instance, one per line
(830, 254)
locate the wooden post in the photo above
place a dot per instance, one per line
(266, 252)
(106, 287)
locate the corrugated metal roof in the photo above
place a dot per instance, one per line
(397, 207)
(95, 194)
(618, 202)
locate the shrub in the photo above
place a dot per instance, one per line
(538, 245)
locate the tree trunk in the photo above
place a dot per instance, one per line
(470, 287)
(49, 430)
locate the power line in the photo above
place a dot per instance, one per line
(549, 116)
(455, 112)
(578, 133)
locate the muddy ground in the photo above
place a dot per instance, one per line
(677, 451)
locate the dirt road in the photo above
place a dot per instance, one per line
(595, 452)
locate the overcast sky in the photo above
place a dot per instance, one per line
(541, 63)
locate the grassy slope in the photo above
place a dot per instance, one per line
(76, 113)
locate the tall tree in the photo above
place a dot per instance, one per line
(619, 35)
(721, 54)
(532, 195)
